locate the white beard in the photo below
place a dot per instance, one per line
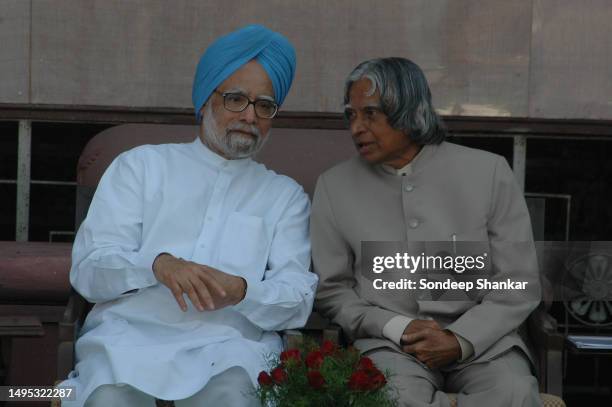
(232, 145)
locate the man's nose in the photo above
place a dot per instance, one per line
(248, 115)
(356, 126)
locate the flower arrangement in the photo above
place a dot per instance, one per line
(324, 376)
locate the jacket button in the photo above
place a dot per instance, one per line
(413, 223)
(409, 188)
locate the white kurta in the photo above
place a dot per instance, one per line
(234, 215)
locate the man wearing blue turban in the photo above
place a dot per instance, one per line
(193, 253)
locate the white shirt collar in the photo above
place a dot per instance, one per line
(405, 170)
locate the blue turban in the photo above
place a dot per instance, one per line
(230, 52)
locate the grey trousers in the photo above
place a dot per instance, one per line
(505, 381)
(232, 387)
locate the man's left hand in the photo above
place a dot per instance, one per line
(235, 286)
(204, 285)
(434, 347)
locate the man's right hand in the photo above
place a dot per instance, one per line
(429, 343)
(186, 277)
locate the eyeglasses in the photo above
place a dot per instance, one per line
(237, 102)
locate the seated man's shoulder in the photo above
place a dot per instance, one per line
(151, 151)
(468, 155)
(277, 183)
(347, 169)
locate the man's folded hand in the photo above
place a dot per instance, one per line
(206, 287)
(430, 344)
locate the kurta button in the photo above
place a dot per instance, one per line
(413, 223)
(409, 187)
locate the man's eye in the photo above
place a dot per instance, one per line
(234, 98)
(371, 113)
(349, 114)
(266, 104)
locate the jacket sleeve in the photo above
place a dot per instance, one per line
(333, 262)
(283, 298)
(106, 258)
(513, 257)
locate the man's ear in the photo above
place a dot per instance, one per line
(201, 115)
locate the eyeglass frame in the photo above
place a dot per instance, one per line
(249, 102)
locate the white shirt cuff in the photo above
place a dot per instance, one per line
(394, 329)
(467, 349)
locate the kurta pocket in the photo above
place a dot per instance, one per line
(471, 243)
(243, 248)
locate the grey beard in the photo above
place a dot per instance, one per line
(232, 145)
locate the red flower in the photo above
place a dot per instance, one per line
(279, 375)
(315, 379)
(359, 380)
(290, 354)
(367, 377)
(264, 379)
(328, 348)
(314, 359)
(377, 381)
(365, 363)
(371, 371)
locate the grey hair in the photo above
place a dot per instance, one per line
(405, 97)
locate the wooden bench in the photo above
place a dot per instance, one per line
(300, 154)
(34, 289)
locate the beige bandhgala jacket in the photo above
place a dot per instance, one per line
(452, 192)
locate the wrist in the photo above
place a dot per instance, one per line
(241, 290)
(456, 344)
(157, 263)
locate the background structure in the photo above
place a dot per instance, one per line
(527, 79)
(526, 58)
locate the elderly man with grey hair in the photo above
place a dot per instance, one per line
(408, 184)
